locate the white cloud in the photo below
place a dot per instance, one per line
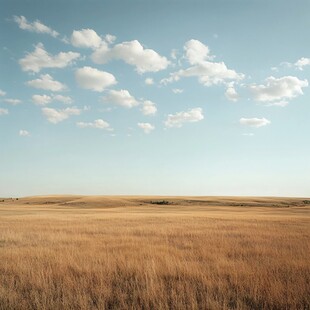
(24, 133)
(177, 90)
(148, 108)
(196, 52)
(178, 119)
(302, 62)
(98, 123)
(231, 93)
(122, 98)
(12, 101)
(94, 79)
(41, 99)
(278, 89)
(4, 111)
(40, 59)
(55, 116)
(146, 127)
(254, 122)
(281, 103)
(2, 93)
(110, 38)
(149, 81)
(45, 99)
(63, 99)
(47, 82)
(35, 26)
(207, 72)
(133, 53)
(250, 134)
(174, 54)
(85, 38)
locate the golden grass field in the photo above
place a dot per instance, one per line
(87, 252)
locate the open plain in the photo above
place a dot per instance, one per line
(137, 252)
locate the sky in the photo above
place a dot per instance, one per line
(154, 97)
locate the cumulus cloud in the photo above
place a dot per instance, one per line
(47, 82)
(146, 127)
(254, 122)
(40, 59)
(231, 93)
(302, 62)
(2, 93)
(45, 99)
(196, 52)
(98, 123)
(3, 111)
(94, 79)
(12, 101)
(121, 97)
(207, 71)
(85, 38)
(41, 99)
(63, 99)
(148, 108)
(133, 53)
(278, 89)
(177, 90)
(109, 38)
(35, 26)
(58, 115)
(177, 120)
(149, 81)
(24, 133)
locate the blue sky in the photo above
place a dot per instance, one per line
(154, 97)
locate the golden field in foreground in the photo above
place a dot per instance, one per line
(87, 252)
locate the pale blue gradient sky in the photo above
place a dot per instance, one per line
(210, 156)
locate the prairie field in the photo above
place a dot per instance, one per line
(100, 252)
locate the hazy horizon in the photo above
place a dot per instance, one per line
(178, 98)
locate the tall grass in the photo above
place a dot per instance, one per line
(154, 260)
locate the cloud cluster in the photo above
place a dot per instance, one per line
(98, 123)
(94, 79)
(278, 89)
(58, 115)
(133, 53)
(24, 133)
(40, 58)
(45, 99)
(177, 90)
(85, 38)
(254, 122)
(35, 26)
(12, 101)
(148, 108)
(146, 127)
(208, 72)
(149, 81)
(2, 93)
(47, 82)
(177, 120)
(3, 111)
(231, 93)
(302, 62)
(196, 52)
(122, 98)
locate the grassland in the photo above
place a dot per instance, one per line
(75, 252)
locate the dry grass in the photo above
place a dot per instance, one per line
(197, 253)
